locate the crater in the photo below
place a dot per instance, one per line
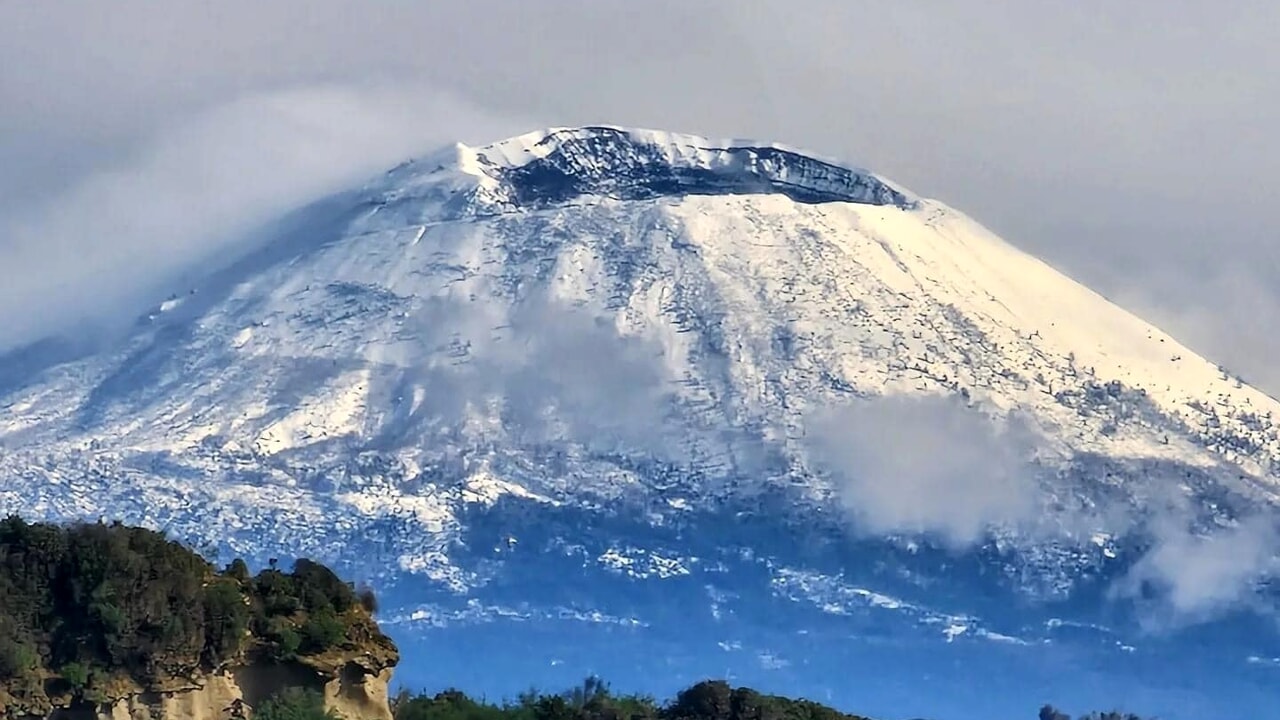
(558, 166)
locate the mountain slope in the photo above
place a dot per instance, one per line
(599, 319)
(734, 398)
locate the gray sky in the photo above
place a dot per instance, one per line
(1128, 144)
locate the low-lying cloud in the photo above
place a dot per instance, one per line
(113, 243)
(932, 465)
(1198, 576)
(924, 465)
(542, 371)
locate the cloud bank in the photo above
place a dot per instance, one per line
(1132, 148)
(1197, 576)
(112, 243)
(932, 466)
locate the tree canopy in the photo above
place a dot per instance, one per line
(85, 605)
(710, 700)
(593, 700)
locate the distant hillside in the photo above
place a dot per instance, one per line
(109, 622)
(709, 700)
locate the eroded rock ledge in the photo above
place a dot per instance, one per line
(354, 684)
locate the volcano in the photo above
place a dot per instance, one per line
(664, 407)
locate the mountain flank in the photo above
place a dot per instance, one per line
(784, 395)
(110, 622)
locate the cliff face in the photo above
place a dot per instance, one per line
(356, 687)
(101, 621)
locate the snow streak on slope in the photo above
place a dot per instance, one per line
(600, 316)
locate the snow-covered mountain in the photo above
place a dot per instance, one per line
(598, 350)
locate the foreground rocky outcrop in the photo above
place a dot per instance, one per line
(116, 623)
(357, 690)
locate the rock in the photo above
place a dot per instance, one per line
(357, 690)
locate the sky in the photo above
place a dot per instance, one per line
(1129, 145)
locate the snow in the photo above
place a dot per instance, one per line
(641, 564)
(433, 513)
(340, 415)
(608, 161)
(242, 338)
(430, 356)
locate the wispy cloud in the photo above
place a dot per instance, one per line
(1196, 575)
(932, 466)
(925, 465)
(115, 240)
(537, 371)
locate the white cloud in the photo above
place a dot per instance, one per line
(546, 371)
(110, 244)
(924, 465)
(1198, 576)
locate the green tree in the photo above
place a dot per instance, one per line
(320, 589)
(226, 619)
(1049, 712)
(124, 602)
(294, 704)
(290, 643)
(238, 571)
(593, 692)
(17, 659)
(447, 705)
(322, 630)
(76, 675)
(709, 700)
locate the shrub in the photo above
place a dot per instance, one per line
(294, 704)
(16, 658)
(76, 675)
(226, 619)
(322, 630)
(123, 601)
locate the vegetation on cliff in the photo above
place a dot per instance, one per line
(95, 610)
